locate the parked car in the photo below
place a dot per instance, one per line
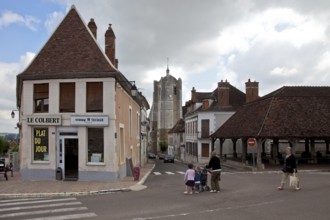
(161, 156)
(169, 158)
(151, 155)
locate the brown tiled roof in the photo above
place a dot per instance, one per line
(200, 96)
(179, 127)
(236, 100)
(289, 112)
(71, 52)
(71, 49)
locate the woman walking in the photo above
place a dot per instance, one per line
(214, 165)
(289, 168)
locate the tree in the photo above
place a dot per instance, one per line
(4, 145)
(163, 146)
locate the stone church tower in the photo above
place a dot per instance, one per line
(166, 109)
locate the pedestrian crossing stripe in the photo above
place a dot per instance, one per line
(168, 173)
(65, 217)
(14, 208)
(47, 211)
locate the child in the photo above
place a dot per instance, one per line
(189, 179)
(197, 180)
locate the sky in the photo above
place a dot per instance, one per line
(275, 42)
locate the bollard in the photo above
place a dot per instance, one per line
(136, 173)
(59, 173)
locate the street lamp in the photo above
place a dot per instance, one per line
(133, 87)
(13, 113)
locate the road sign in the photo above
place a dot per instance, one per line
(251, 142)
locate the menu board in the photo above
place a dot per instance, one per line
(40, 144)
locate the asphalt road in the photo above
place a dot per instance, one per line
(244, 195)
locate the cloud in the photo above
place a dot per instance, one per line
(283, 71)
(8, 17)
(324, 62)
(53, 20)
(8, 72)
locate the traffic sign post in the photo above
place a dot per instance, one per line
(252, 143)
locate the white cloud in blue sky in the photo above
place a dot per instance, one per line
(275, 42)
(9, 18)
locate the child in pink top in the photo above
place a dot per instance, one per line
(189, 179)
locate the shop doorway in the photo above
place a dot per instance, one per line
(68, 156)
(71, 159)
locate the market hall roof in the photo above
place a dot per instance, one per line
(289, 112)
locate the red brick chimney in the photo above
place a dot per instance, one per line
(223, 93)
(110, 45)
(252, 90)
(193, 95)
(92, 26)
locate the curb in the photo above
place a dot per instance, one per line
(136, 187)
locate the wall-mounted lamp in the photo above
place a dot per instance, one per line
(133, 87)
(13, 113)
(143, 135)
(18, 125)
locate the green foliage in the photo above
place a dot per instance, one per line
(4, 145)
(163, 146)
(15, 149)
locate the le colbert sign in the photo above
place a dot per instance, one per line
(44, 120)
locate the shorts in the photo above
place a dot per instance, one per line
(190, 183)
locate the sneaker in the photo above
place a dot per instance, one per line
(298, 188)
(185, 192)
(218, 191)
(212, 191)
(280, 188)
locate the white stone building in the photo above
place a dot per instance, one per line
(77, 114)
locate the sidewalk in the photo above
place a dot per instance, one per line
(16, 187)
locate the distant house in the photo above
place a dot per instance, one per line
(208, 111)
(176, 139)
(77, 110)
(298, 115)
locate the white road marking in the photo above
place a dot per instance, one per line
(157, 173)
(180, 172)
(211, 210)
(169, 173)
(32, 207)
(47, 211)
(40, 206)
(64, 217)
(38, 201)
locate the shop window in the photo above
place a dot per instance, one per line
(40, 144)
(94, 97)
(41, 97)
(67, 97)
(95, 145)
